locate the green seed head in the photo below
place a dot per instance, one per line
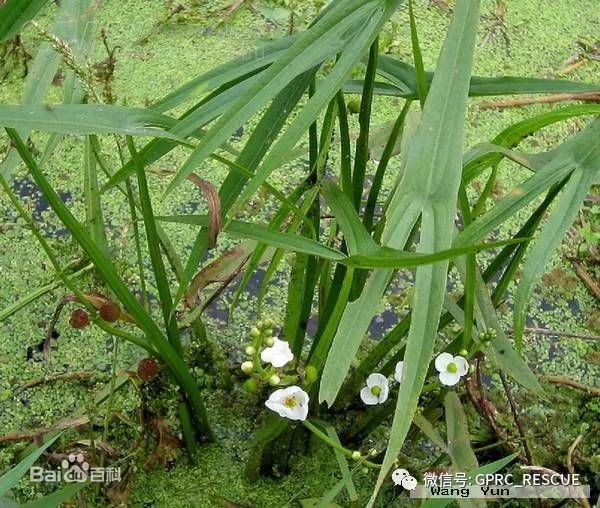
(376, 390)
(452, 368)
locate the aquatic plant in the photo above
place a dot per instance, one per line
(296, 88)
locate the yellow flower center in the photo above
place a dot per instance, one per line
(452, 368)
(376, 390)
(291, 402)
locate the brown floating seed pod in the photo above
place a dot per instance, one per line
(148, 369)
(79, 319)
(110, 311)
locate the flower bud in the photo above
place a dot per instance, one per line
(250, 385)
(250, 350)
(247, 367)
(311, 373)
(274, 380)
(463, 352)
(268, 332)
(254, 332)
(269, 341)
(269, 323)
(79, 319)
(471, 369)
(356, 455)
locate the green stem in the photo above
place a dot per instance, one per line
(325, 438)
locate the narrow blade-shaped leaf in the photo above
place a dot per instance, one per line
(435, 159)
(15, 13)
(86, 119)
(12, 477)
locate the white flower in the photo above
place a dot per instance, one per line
(399, 371)
(376, 391)
(290, 402)
(278, 354)
(451, 368)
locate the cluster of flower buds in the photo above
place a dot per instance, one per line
(265, 348)
(486, 336)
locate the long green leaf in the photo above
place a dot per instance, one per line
(427, 159)
(357, 238)
(459, 442)
(91, 192)
(10, 479)
(311, 111)
(382, 257)
(57, 498)
(421, 78)
(579, 151)
(158, 267)
(459, 439)
(86, 119)
(15, 13)
(312, 47)
(434, 166)
(296, 243)
(72, 19)
(587, 171)
(476, 163)
(404, 77)
(238, 69)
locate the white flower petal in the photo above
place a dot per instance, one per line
(385, 391)
(449, 378)
(368, 397)
(277, 402)
(399, 371)
(376, 379)
(278, 354)
(462, 365)
(442, 361)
